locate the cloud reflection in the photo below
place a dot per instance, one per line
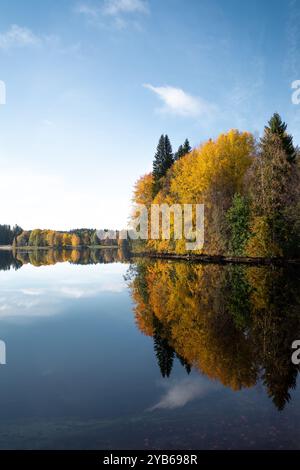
(180, 392)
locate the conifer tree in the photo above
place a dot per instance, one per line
(158, 159)
(163, 160)
(278, 127)
(183, 150)
(186, 147)
(168, 157)
(179, 153)
(274, 196)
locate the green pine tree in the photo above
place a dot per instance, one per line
(168, 157)
(163, 160)
(179, 153)
(278, 127)
(186, 147)
(183, 150)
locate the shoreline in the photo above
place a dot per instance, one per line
(38, 248)
(218, 259)
(187, 257)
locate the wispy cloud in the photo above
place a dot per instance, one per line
(18, 36)
(121, 12)
(91, 12)
(117, 7)
(177, 101)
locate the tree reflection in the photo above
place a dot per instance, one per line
(8, 261)
(164, 352)
(235, 324)
(47, 257)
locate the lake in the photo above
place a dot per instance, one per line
(107, 353)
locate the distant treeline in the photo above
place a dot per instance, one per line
(17, 237)
(58, 239)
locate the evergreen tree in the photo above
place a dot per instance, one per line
(8, 234)
(274, 199)
(163, 160)
(169, 157)
(186, 147)
(179, 153)
(158, 159)
(183, 150)
(238, 220)
(278, 127)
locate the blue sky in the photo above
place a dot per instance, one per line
(92, 84)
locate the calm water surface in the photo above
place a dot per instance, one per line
(152, 355)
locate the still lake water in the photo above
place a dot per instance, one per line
(152, 355)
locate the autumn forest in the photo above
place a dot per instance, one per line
(249, 188)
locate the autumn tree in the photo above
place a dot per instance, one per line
(212, 174)
(23, 238)
(142, 193)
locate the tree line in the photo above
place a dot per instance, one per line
(38, 238)
(75, 238)
(250, 189)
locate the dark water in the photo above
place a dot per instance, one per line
(102, 354)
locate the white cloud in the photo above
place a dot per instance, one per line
(121, 12)
(22, 37)
(177, 101)
(116, 7)
(18, 36)
(88, 11)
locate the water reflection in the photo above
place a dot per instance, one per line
(8, 261)
(234, 324)
(47, 257)
(31, 293)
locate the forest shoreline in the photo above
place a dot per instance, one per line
(34, 248)
(188, 257)
(218, 259)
